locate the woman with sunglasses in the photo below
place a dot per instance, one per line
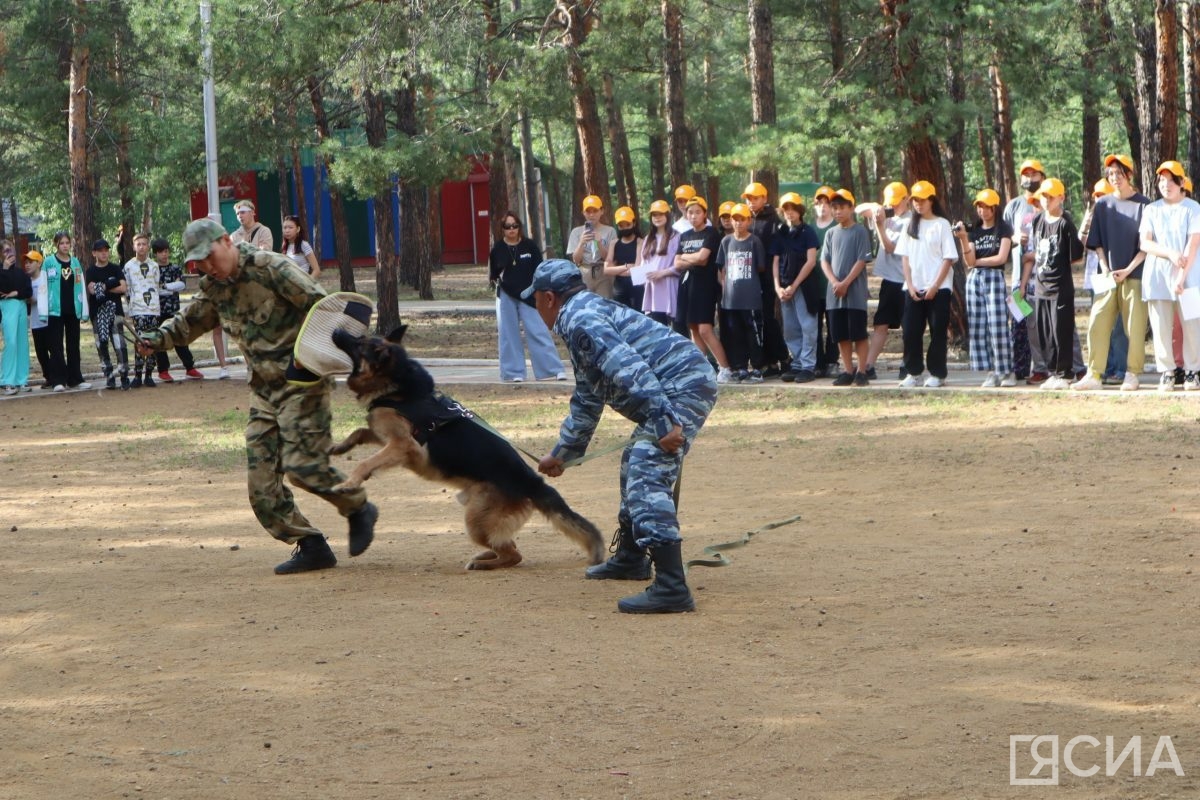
(512, 261)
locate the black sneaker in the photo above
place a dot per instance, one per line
(844, 379)
(861, 379)
(148, 382)
(772, 371)
(111, 382)
(136, 383)
(789, 376)
(871, 373)
(805, 376)
(362, 528)
(1180, 377)
(124, 383)
(741, 375)
(311, 553)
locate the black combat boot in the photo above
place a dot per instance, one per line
(362, 528)
(669, 593)
(311, 553)
(628, 563)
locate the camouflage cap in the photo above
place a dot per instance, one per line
(555, 275)
(198, 238)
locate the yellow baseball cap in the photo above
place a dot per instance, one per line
(698, 201)
(725, 208)
(1119, 158)
(740, 210)
(1173, 167)
(987, 197)
(34, 256)
(1102, 188)
(894, 193)
(592, 201)
(624, 214)
(843, 194)
(1031, 163)
(793, 199)
(1052, 187)
(923, 190)
(685, 192)
(1187, 184)
(754, 190)
(660, 207)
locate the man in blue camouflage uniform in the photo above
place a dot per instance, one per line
(653, 377)
(261, 299)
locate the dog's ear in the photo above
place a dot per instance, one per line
(396, 335)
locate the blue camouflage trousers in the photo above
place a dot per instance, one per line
(288, 434)
(648, 473)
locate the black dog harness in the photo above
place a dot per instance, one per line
(427, 414)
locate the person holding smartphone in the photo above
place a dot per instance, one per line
(588, 246)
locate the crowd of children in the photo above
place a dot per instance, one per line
(763, 293)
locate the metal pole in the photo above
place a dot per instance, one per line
(210, 112)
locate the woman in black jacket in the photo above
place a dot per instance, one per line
(512, 261)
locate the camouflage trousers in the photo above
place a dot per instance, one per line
(288, 434)
(648, 473)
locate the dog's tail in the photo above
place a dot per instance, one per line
(569, 523)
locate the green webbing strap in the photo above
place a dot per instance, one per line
(570, 462)
(716, 552)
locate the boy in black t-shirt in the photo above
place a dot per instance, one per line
(105, 289)
(1056, 247)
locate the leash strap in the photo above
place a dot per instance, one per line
(716, 552)
(571, 462)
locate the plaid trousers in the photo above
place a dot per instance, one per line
(987, 321)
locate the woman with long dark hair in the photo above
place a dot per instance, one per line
(511, 263)
(928, 252)
(295, 247)
(66, 306)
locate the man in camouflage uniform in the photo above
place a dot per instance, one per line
(654, 377)
(261, 299)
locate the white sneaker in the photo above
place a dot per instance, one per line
(1166, 382)
(562, 376)
(516, 380)
(933, 382)
(1191, 382)
(1008, 380)
(911, 382)
(1088, 383)
(60, 388)
(9, 391)
(84, 385)
(1131, 383)
(990, 382)
(224, 373)
(1054, 383)
(724, 375)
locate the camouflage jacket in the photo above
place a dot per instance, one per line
(261, 308)
(624, 359)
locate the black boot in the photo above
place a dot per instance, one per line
(669, 593)
(362, 528)
(628, 563)
(311, 553)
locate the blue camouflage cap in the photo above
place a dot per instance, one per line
(555, 275)
(198, 238)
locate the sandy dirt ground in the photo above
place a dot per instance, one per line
(966, 568)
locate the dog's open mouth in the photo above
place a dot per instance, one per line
(350, 345)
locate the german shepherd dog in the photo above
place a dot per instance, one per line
(438, 439)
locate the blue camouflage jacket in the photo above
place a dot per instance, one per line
(624, 359)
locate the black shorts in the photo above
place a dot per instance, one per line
(698, 295)
(890, 311)
(847, 324)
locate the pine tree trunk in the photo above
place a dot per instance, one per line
(1166, 29)
(337, 207)
(83, 210)
(920, 159)
(386, 269)
(1129, 111)
(985, 153)
(564, 215)
(298, 182)
(588, 129)
(1191, 82)
(532, 195)
(1006, 166)
(416, 254)
(578, 189)
(658, 166)
(285, 197)
(614, 144)
(673, 100)
(318, 190)
(762, 81)
(1093, 43)
(955, 145)
(1146, 95)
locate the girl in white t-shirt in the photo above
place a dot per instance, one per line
(928, 253)
(298, 250)
(1170, 238)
